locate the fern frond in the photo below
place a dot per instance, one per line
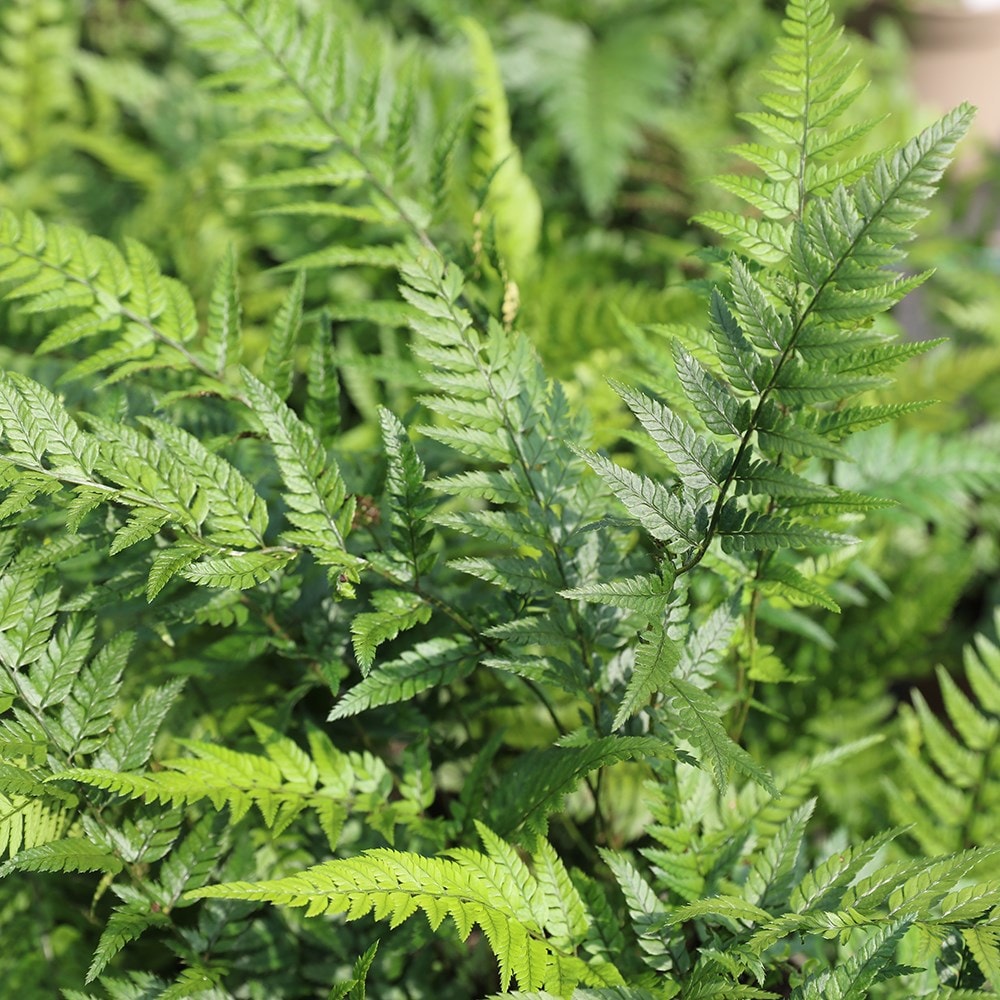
(410, 501)
(511, 200)
(429, 664)
(811, 68)
(648, 596)
(74, 854)
(281, 784)
(823, 887)
(319, 507)
(984, 943)
(127, 923)
(646, 911)
(333, 102)
(852, 979)
(236, 514)
(395, 612)
(168, 480)
(495, 890)
(697, 460)
(278, 360)
(596, 91)
(539, 781)
(656, 657)
(59, 269)
(946, 786)
(663, 514)
(130, 744)
(355, 988)
(771, 874)
(28, 822)
(223, 338)
(224, 777)
(693, 712)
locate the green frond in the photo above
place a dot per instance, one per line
(236, 514)
(429, 664)
(695, 715)
(87, 712)
(790, 583)
(509, 411)
(721, 410)
(511, 199)
(74, 854)
(127, 923)
(596, 91)
(166, 564)
(342, 255)
(647, 596)
(494, 890)
(322, 408)
(727, 907)
(852, 979)
(318, 505)
(332, 77)
(223, 338)
(666, 516)
(850, 233)
(37, 427)
(823, 887)
(411, 502)
(59, 269)
(536, 785)
(543, 629)
(647, 912)
(130, 744)
(279, 365)
(708, 641)
(984, 943)
(697, 461)
(770, 479)
(946, 786)
(584, 993)
(763, 241)
(355, 988)
(811, 72)
(766, 531)
(191, 862)
(170, 479)
(238, 571)
(772, 872)
(656, 658)
(28, 822)
(567, 918)
(396, 611)
(934, 477)
(281, 784)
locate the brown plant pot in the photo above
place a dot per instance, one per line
(956, 57)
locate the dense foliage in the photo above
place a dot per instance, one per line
(344, 649)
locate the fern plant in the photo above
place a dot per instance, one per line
(450, 639)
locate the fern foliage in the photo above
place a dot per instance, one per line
(534, 920)
(402, 636)
(945, 789)
(345, 90)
